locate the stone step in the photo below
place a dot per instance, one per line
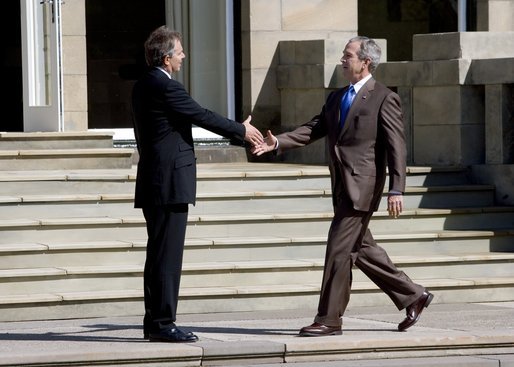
(215, 153)
(211, 178)
(260, 248)
(227, 225)
(67, 182)
(456, 335)
(55, 140)
(58, 159)
(106, 204)
(72, 238)
(222, 274)
(124, 302)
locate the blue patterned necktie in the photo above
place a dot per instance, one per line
(346, 102)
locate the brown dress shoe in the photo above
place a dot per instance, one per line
(414, 311)
(318, 329)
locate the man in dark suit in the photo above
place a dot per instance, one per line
(166, 175)
(363, 137)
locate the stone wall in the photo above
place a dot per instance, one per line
(74, 65)
(453, 95)
(460, 90)
(265, 23)
(495, 15)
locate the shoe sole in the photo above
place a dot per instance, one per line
(339, 332)
(163, 340)
(429, 299)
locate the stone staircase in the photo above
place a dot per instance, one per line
(73, 246)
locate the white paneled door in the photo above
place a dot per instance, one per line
(42, 65)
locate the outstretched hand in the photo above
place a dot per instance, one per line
(269, 144)
(252, 134)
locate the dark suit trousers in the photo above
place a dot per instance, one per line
(166, 227)
(350, 242)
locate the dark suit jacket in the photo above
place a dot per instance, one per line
(372, 135)
(163, 117)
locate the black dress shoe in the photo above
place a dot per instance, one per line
(172, 335)
(318, 329)
(414, 311)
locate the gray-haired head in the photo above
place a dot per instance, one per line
(369, 49)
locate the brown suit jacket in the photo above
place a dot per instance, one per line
(372, 136)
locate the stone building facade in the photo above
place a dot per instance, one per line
(280, 58)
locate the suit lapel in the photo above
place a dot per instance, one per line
(360, 99)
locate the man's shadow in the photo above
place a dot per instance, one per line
(87, 333)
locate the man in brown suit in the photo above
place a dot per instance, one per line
(363, 137)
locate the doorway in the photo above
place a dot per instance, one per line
(116, 31)
(12, 101)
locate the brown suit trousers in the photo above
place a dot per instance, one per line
(350, 242)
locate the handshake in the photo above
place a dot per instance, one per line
(260, 144)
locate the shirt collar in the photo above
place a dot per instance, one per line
(357, 86)
(164, 71)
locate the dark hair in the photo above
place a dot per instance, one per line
(369, 49)
(159, 44)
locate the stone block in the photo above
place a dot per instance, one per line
(499, 129)
(315, 153)
(287, 52)
(424, 73)
(75, 120)
(309, 104)
(264, 89)
(450, 72)
(265, 15)
(405, 94)
(74, 55)
(310, 52)
(300, 105)
(245, 15)
(441, 105)
(73, 18)
(301, 76)
(76, 93)
(493, 125)
(448, 145)
(264, 117)
(246, 51)
(499, 175)
(472, 144)
(334, 77)
(403, 73)
(319, 15)
(501, 13)
(491, 71)
(288, 106)
(322, 51)
(261, 49)
(463, 45)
